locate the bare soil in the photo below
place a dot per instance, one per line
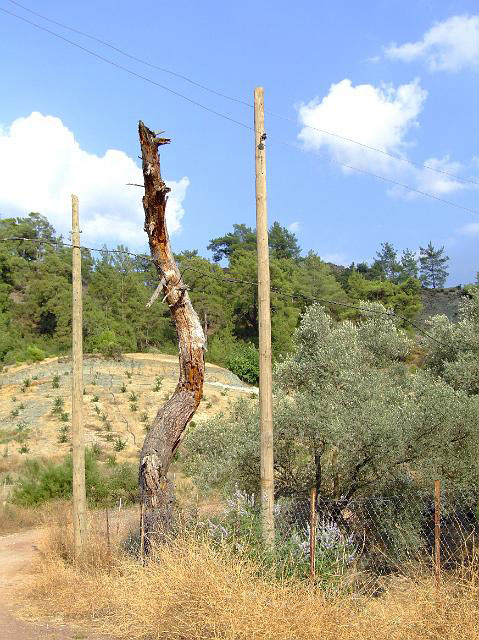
(120, 399)
(17, 553)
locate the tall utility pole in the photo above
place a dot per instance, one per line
(265, 376)
(79, 494)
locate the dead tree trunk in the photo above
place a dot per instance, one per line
(168, 428)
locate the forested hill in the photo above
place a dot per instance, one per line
(35, 294)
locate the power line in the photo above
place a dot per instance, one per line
(405, 186)
(132, 57)
(222, 115)
(239, 100)
(126, 69)
(426, 194)
(377, 150)
(287, 294)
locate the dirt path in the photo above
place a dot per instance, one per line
(17, 552)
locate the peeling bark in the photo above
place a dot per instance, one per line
(169, 425)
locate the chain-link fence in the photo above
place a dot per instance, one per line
(361, 544)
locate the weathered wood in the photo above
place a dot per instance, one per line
(78, 444)
(264, 307)
(168, 428)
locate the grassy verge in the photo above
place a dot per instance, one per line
(191, 590)
(15, 518)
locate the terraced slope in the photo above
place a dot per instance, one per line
(121, 398)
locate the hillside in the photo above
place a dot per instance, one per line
(440, 302)
(121, 399)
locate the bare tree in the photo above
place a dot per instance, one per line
(168, 427)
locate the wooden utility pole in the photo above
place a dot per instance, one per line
(79, 494)
(265, 376)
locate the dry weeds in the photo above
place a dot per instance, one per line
(14, 518)
(192, 591)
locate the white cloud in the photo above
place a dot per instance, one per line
(440, 183)
(450, 45)
(41, 164)
(471, 229)
(294, 227)
(375, 116)
(380, 117)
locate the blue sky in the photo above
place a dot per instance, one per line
(400, 76)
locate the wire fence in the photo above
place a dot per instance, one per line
(359, 547)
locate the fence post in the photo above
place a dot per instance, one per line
(118, 521)
(108, 530)
(312, 535)
(437, 533)
(142, 533)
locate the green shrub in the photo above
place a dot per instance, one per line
(58, 406)
(35, 354)
(158, 383)
(56, 381)
(244, 362)
(119, 444)
(63, 435)
(108, 344)
(41, 481)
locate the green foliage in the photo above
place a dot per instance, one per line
(158, 383)
(349, 417)
(63, 435)
(58, 404)
(41, 481)
(404, 298)
(244, 362)
(119, 444)
(409, 266)
(453, 353)
(433, 264)
(107, 344)
(239, 528)
(55, 381)
(387, 261)
(35, 293)
(35, 354)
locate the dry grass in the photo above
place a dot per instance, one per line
(192, 591)
(15, 518)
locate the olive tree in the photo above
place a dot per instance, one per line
(352, 416)
(453, 352)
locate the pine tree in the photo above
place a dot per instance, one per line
(433, 271)
(387, 260)
(409, 267)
